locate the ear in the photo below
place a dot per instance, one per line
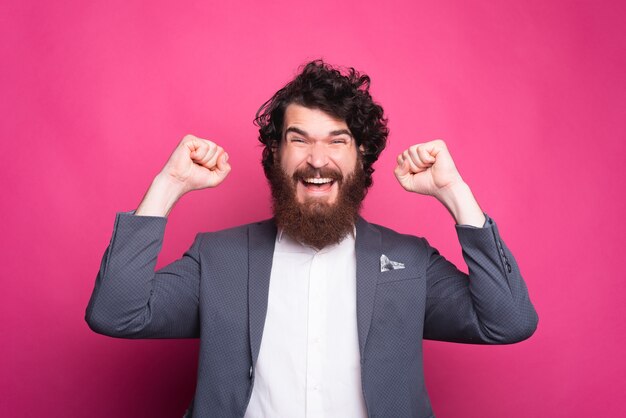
(361, 153)
(275, 147)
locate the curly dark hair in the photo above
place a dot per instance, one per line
(347, 97)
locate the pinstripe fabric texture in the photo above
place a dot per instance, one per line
(218, 292)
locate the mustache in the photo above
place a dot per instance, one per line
(325, 172)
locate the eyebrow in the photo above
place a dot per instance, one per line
(331, 133)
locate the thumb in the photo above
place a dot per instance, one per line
(222, 163)
(403, 167)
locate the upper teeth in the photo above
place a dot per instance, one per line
(318, 181)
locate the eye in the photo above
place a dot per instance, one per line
(339, 141)
(296, 139)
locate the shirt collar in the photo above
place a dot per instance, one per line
(289, 244)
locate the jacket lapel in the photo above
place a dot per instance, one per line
(261, 241)
(368, 251)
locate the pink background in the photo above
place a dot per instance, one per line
(528, 95)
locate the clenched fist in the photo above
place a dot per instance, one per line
(197, 163)
(427, 169)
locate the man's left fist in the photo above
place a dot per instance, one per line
(427, 169)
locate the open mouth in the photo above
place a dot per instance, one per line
(315, 184)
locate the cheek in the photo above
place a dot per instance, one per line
(288, 168)
(347, 164)
(346, 159)
(289, 158)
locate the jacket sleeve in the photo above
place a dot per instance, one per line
(130, 299)
(491, 305)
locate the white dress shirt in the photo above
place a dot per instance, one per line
(309, 362)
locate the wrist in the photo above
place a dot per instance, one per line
(169, 185)
(161, 197)
(462, 205)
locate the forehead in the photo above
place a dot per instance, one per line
(316, 122)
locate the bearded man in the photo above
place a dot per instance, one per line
(316, 312)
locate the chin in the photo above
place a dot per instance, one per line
(322, 200)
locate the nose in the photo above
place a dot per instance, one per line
(318, 156)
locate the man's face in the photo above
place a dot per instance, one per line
(319, 150)
(319, 183)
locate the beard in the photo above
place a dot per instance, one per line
(315, 222)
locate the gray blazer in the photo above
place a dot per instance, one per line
(218, 291)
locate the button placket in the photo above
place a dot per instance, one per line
(316, 331)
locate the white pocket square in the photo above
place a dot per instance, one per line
(387, 265)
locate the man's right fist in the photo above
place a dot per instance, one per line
(197, 163)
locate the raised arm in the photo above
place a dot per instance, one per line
(130, 299)
(491, 305)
